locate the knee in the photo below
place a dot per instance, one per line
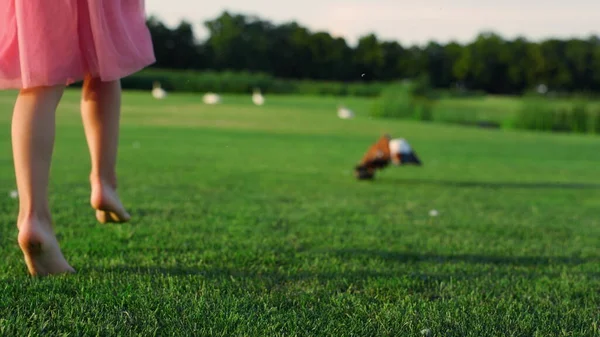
(43, 92)
(94, 83)
(94, 86)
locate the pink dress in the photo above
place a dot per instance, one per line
(54, 42)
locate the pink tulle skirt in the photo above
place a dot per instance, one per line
(54, 42)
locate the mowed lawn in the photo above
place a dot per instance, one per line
(247, 221)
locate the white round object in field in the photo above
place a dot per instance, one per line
(211, 98)
(434, 212)
(258, 98)
(158, 92)
(345, 113)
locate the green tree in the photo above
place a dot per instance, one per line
(289, 50)
(369, 57)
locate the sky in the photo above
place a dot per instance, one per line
(408, 22)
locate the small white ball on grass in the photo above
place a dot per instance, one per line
(433, 212)
(14, 194)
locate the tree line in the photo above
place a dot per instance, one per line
(490, 63)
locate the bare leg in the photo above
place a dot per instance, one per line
(33, 129)
(100, 112)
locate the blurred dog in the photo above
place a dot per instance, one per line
(385, 151)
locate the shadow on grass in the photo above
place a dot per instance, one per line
(494, 185)
(409, 257)
(536, 268)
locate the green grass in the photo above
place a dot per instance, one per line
(243, 82)
(247, 221)
(485, 109)
(494, 111)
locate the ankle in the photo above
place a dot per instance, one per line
(103, 180)
(28, 216)
(32, 214)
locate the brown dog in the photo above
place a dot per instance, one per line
(384, 151)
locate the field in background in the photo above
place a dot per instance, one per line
(452, 106)
(247, 221)
(228, 82)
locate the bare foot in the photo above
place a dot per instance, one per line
(107, 204)
(41, 249)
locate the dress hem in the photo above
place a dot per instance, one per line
(17, 84)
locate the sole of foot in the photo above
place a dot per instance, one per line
(107, 204)
(41, 250)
